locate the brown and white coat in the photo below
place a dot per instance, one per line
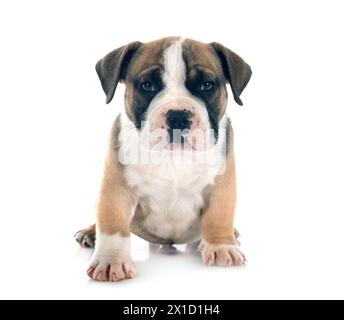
(170, 200)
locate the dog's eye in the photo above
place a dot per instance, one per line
(207, 86)
(147, 86)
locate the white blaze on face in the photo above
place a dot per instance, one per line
(174, 75)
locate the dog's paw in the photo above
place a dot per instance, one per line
(224, 255)
(86, 238)
(111, 268)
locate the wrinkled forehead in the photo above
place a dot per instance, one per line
(195, 55)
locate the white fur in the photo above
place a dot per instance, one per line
(111, 245)
(174, 66)
(112, 257)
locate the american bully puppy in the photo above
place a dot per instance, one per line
(169, 174)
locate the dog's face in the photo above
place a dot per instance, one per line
(175, 88)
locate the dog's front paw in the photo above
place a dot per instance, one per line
(224, 255)
(111, 268)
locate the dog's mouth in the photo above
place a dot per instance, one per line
(180, 140)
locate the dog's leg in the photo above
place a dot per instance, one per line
(219, 245)
(86, 237)
(111, 260)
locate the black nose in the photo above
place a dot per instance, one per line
(178, 119)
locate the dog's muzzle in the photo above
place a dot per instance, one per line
(178, 123)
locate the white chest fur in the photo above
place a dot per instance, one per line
(174, 194)
(172, 188)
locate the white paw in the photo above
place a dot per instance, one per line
(111, 268)
(111, 260)
(224, 255)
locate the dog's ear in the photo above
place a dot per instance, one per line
(111, 69)
(236, 70)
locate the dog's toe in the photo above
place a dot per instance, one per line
(111, 268)
(223, 255)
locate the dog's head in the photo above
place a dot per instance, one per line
(175, 88)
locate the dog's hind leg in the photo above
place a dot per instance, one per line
(86, 237)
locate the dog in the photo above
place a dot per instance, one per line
(169, 174)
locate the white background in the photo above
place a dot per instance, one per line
(289, 146)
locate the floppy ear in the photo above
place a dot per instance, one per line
(236, 70)
(111, 69)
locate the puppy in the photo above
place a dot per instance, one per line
(169, 174)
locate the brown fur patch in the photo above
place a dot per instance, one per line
(116, 200)
(149, 54)
(220, 201)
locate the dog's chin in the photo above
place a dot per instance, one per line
(192, 142)
(176, 146)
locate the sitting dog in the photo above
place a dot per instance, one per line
(169, 174)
